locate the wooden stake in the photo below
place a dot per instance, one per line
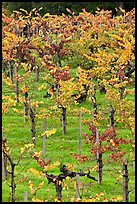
(11, 72)
(17, 84)
(77, 187)
(63, 121)
(25, 196)
(125, 180)
(25, 106)
(28, 31)
(4, 163)
(44, 141)
(80, 132)
(100, 165)
(97, 140)
(12, 173)
(99, 160)
(94, 101)
(112, 112)
(134, 161)
(32, 118)
(3, 169)
(37, 72)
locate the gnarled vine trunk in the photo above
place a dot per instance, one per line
(63, 120)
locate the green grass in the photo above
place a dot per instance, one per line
(58, 148)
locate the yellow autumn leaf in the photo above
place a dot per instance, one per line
(31, 146)
(17, 111)
(70, 166)
(52, 166)
(48, 167)
(54, 179)
(31, 187)
(37, 200)
(35, 172)
(38, 154)
(22, 150)
(56, 200)
(48, 132)
(112, 142)
(67, 178)
(56, 163)
(46, 15)
(40, 185)
(122, 10)
(21, 9)
(41, 87)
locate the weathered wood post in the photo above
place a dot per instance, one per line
(80, 132)
(11, 72)
(12, 173)
(63, 121)
(112, 112)
(25, 196)
(32, 119)
(3, 169)
(16, 83)
(44, 141)
(99, 160)
(26, 105)
(28, 31)
(77, 187)
(13, 185)
(125, 180)
(4, 162)
(94, 100)
(134, 161)
(37, 72)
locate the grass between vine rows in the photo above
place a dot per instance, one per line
(58, 148)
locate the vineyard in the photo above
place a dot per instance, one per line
(68, 107)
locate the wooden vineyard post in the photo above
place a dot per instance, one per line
(112, 112)
(80, 132)
(77, 187)
(125, 180)
(58, 53)
(12, 173)
(16, 83)
(100, 165)
(3, 172)
(134, 161)
(99, 160)
(63, 121)
(37, 72)
(17, 66)
(25, 196)
(3, 169)
(28, 31)
(44, 141)
(121, 89)
(32, 118)
(94, 100)
(11, 72)
(25, 106)
(4, 163)
(13, 180)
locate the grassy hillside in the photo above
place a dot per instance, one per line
(58, 148)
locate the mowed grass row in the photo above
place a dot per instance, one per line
(58, 148)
